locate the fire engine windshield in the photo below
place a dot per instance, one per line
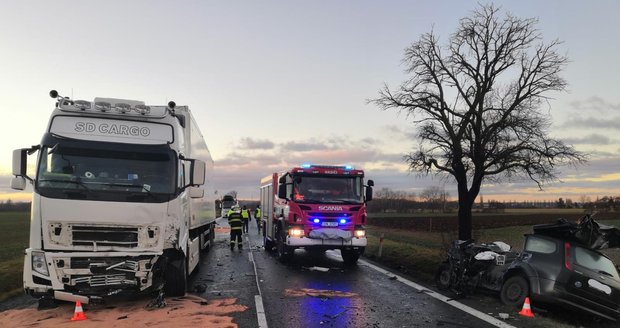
(328, 189)
(105, 174)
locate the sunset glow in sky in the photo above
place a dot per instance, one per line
(274, 84)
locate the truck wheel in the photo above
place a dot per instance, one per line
(284, 252)
(514, 291)
(175, 278)
(267, 243)
(442, 277)
(350, 256)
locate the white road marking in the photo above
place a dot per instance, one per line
(482, 316)
(258, 299)
(260, 312)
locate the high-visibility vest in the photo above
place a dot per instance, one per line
(245, 214)
(257, 213)
(234, 220)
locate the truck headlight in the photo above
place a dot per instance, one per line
(296, 231)
(359, 233)
(38, 263)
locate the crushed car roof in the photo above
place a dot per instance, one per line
(585, 231)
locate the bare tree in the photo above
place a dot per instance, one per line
(435, 197)
(476, 103)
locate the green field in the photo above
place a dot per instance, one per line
(419, 253)
(14, 230)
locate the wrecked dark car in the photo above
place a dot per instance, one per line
(561, 265)
(470, 266)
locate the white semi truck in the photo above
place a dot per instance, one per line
(122, 200)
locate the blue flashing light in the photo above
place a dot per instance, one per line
(348, 167)
(306, 165)
(316, 220)
(343, 221)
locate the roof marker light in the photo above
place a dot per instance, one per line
(103, 106)
(82, 104)
(143, 109)
(122, 107)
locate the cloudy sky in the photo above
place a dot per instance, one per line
(278, 83)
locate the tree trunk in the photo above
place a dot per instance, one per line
(465, 218)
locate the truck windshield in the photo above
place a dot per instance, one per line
(100, 174)
(328, 189)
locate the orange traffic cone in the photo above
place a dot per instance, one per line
(527, 309)
(78, 314)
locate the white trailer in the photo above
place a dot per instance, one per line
(122, 200)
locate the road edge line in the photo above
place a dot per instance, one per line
(471, 311)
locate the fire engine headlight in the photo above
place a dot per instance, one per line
(296, 232)
(359, 233)
(38, 263)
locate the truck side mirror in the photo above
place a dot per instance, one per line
(198, 172)
(19, 162)
(282, 191)
(369, 192)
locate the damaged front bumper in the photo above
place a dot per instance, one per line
(335, 238)
(86, 276)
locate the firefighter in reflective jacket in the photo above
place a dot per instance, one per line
(236, 225)
(245, 216)
(257, 217)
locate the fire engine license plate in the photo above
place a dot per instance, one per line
(329, 224)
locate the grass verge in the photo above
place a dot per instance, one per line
(419, 254)
(14, 230)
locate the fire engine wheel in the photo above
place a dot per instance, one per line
(267, 243)
(176, 278)
(349, 257)
(514, 291)
(442, 277)
(284, 252)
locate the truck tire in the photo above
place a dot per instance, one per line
(285, 253)
(175, 277)
(267, 243)
(514, 291)
(443, 276)
(350, 256)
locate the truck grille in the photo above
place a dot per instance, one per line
(105, 236)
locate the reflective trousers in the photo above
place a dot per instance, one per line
(235, 238)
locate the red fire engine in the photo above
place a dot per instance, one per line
(315, 207)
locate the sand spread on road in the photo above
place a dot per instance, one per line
(187, 311)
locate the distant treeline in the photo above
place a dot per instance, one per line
(10, 206)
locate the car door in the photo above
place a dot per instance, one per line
(594, 277)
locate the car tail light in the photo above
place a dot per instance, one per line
(567, 262)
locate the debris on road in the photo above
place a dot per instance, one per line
(322, 293)
(316, 268)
